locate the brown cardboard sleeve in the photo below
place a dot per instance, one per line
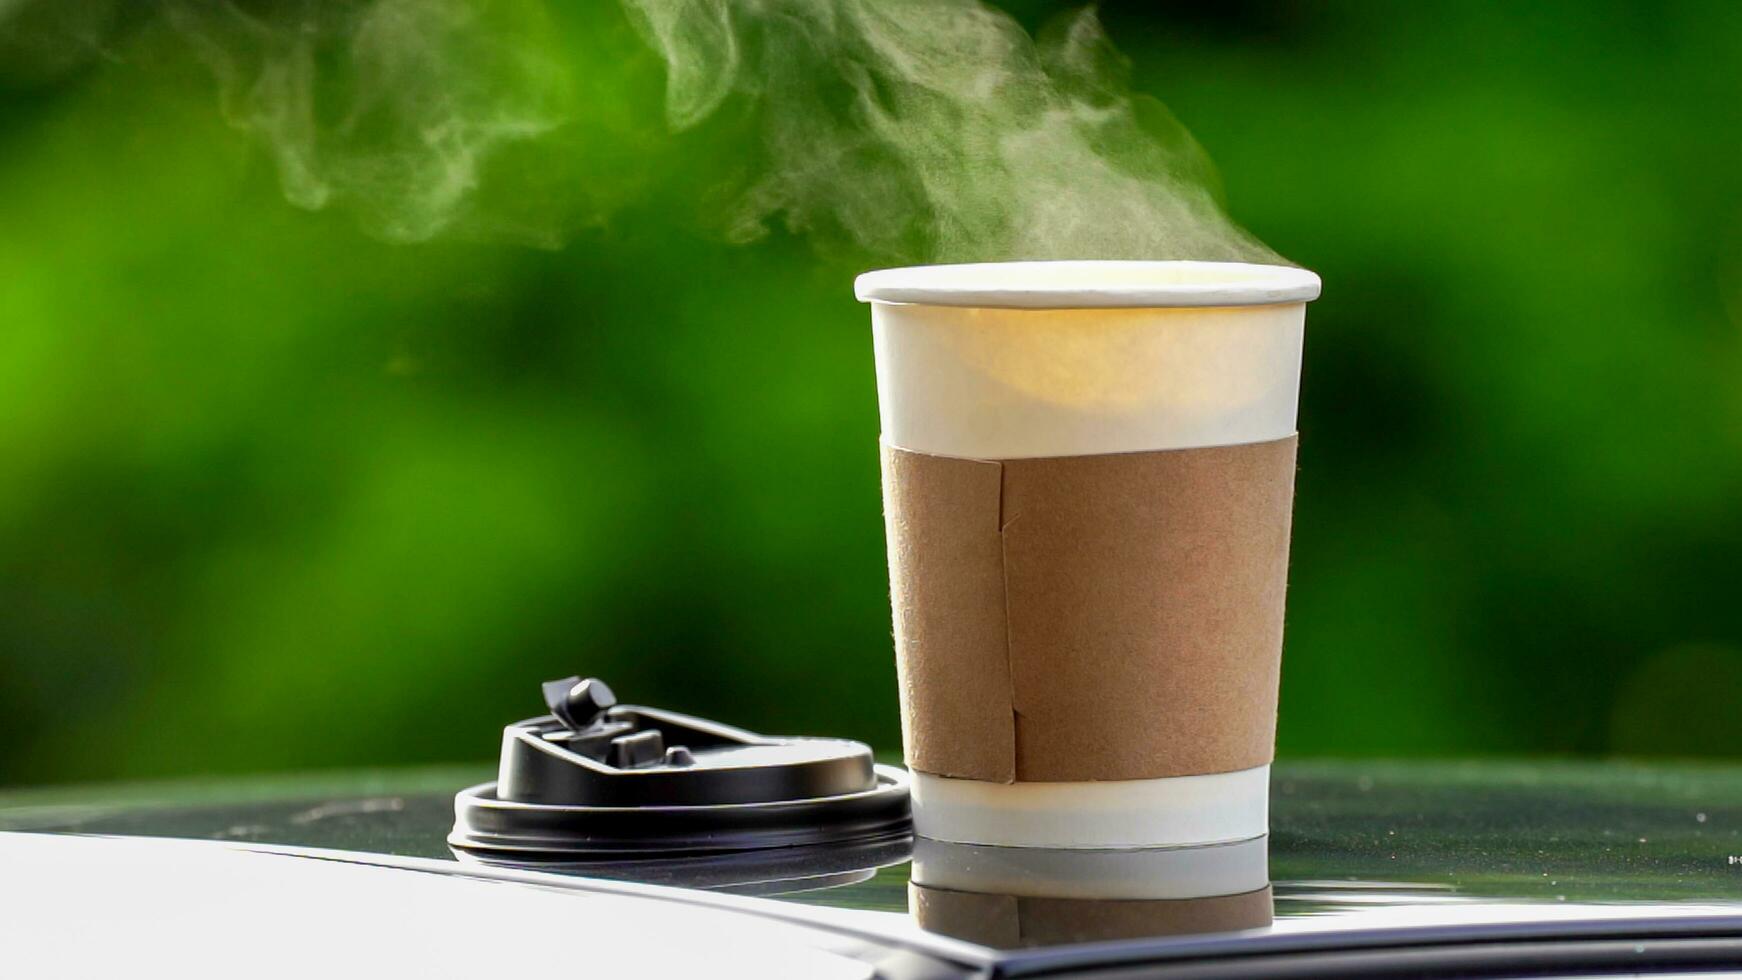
(1089, 617)
(1009, 921)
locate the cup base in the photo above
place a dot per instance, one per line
(1174, 811)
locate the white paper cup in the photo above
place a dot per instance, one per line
(1019, 360)
(1024, 359)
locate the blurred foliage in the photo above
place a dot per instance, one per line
(275, 493)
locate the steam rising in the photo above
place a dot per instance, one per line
(934, 130)
(397, 108)
(941, 122)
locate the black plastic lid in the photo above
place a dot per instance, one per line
(595, 779)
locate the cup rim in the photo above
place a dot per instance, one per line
(1089, 284)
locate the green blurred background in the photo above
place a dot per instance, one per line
(276, 493)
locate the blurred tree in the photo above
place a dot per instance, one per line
(275, 493)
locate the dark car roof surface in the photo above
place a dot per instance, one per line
(1389, 858)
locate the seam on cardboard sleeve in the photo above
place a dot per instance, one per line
(1004, 522)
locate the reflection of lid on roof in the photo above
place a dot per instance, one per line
(595, 778)
(1089, 284)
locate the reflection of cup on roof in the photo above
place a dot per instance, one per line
(1009, 897)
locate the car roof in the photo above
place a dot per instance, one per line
(1360, 853)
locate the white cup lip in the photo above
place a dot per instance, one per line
(1089, 284)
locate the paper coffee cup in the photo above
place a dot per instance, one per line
(1088, 477)
(1025, 896)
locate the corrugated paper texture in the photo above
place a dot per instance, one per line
(1008, 921)
(1089, 617)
